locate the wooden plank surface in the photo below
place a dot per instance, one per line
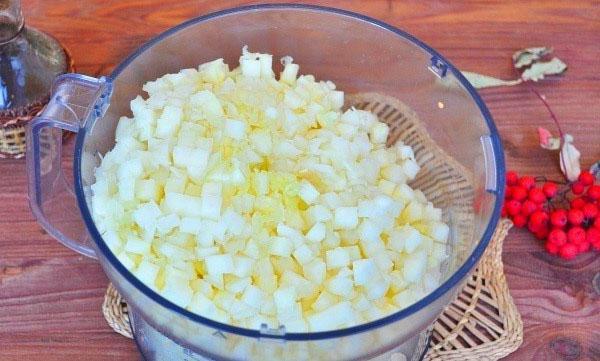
(50, 298)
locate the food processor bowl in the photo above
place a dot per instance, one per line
(358, 54)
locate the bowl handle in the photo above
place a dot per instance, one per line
(51, 197)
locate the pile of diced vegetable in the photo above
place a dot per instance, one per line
(253, 200)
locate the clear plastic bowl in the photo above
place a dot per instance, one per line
(359, 54)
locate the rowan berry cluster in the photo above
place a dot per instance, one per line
(566, 218)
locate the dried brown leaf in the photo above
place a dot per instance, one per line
(569, 159)
(547, 141)
(483, 81)
(539, 71)
(527, 56)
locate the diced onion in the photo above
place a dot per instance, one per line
(249, 199)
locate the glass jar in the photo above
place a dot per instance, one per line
(29, 62)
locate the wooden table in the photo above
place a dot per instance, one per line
(50, 297)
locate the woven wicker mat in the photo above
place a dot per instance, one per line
(481, 324)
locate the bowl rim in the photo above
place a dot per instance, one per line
(446, 286)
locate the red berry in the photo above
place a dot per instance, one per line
(550, 189)
(508, 192)
(541, 233)
(577, 188)
(557, 236)
(558, 218)
(568, 251)
(538, 219)
(592, 235)
(596, 246)
(519, 193)
(531, 227)
(583, 247)
(519, 220)
(527, 182)
(578, 203)
(597, 222)
(537, 195)
(503, 212)
(512, 178)
(528, 207)
(552, 248)
(594, 192)
(575, 216)
(586, 178)
(576, 235)
(590, 211)
(513, 207)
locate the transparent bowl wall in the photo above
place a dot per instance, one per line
(360, 55)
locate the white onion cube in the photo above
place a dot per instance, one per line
(235, 129)
(169, 121)
(379, 133)
(308, 193)
(318, 213)
(183, 204)
(364, 271)
(147, 272)
(167, 223)
(315, 271)
(303, 254)
(333, 317)
(210, 203)
(341, 286)
(410, 168)
(439, 231)
(316, 233)
(191, 225)
(253, 296)
(281, 246)
(337, 258)
(345, 218)
(208, 102)
(285, 299)
(414, 266)
(219, 264)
